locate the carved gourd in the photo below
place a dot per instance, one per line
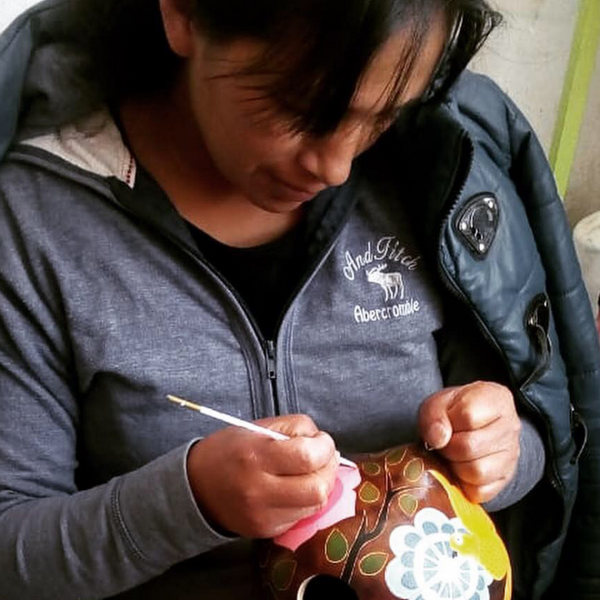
(412, 536)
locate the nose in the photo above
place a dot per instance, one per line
(329, 158)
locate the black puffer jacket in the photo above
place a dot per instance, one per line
(505, 251)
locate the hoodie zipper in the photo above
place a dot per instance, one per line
(457, 292)
(311, 270)
(269, 346)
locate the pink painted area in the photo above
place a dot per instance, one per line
(341, 505)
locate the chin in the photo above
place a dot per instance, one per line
(278, 203)
(277, 206)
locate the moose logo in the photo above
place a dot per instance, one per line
(391, 283)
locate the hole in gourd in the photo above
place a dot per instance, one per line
(325, 587)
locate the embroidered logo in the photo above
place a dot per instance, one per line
(391, 283)
(385, 264)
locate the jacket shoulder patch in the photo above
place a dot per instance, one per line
(477, 223)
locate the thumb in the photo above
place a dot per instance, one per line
(291, 425)
(434, 424)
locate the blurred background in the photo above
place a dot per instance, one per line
(530, 58)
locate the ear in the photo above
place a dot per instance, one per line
(179, 26)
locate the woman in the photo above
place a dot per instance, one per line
(238, 203)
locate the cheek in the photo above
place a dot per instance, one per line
(252, 150)
(245, 156)
(257, 147)
(238, 141)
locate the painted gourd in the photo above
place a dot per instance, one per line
(413, 536)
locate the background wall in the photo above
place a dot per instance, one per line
(583, 197)
(528, 57)
(9, 9)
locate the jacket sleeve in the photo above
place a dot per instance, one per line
(521, 155)
(579, 576)
(57, 541)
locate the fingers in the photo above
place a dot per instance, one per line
(484, 460)
(311, 490)
(255, 486)
(434, 421)
(477, 405)
(300, 455)
(468, 445)
(483, 493)
(482, 444)
(483, 478)
(308, 449)
(272, 503)
(291, 425)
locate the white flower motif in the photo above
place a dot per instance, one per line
(425, 567)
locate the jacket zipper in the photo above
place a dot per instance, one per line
(457, 292)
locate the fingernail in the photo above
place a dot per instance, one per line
(437, 436)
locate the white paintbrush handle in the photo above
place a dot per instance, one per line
(231, 420)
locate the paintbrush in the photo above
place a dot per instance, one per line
(231, 420)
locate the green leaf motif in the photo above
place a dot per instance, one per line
(414, 469)
(283, 573)
(369, 493)
(371, 468)
(409, 504)
(372, 564)
(396, 456)
(336, 547)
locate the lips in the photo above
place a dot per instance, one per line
(297, 189)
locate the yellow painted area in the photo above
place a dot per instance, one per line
(481, 541)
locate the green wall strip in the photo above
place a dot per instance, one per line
(575, 93)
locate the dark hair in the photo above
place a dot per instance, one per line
(316, 50)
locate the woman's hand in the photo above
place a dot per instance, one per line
(254, 486)
(476, 428)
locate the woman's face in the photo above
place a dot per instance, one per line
(248, 138)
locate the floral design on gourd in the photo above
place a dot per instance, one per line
(425, 566)
(412, 527)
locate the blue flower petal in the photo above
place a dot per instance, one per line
(408, 559)
(429, 527)
(409, 581)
